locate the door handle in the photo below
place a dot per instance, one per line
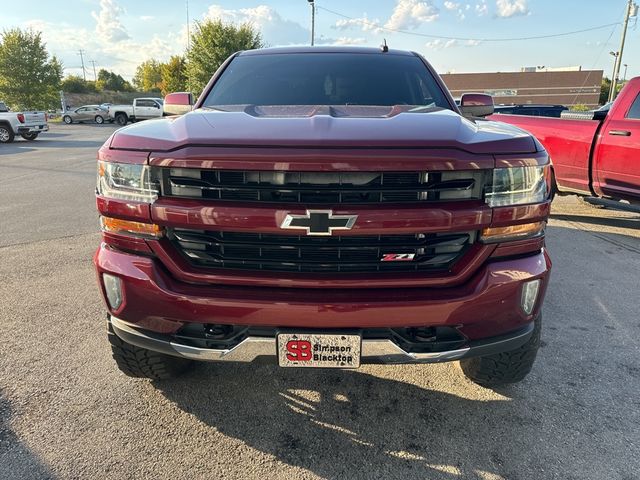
(620, 133)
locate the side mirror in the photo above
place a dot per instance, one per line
(476, 105)
(178, 103)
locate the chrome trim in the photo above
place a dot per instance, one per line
(373, 350)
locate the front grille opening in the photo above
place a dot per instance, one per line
(334, 254)
(322, 187)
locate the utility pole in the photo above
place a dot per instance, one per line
(188, 32)
(632, 10)
(313, 21)
(95, 77)
(84, 74)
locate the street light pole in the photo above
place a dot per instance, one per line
(612, 85)
(313, 21)
(631, 8)
(624, 77)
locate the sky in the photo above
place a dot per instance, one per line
(120, 34)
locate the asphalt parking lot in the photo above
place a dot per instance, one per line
(67, 412)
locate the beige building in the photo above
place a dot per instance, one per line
(526, 87)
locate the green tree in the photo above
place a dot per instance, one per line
(211, 43)
(174, 77)
(113, 82)
(148, 77)
(605, 88)
(29, 78)
(74, 84)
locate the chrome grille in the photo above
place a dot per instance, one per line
(301, 253)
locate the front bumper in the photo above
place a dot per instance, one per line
(378, 351)
(33, 128)
(486, 305)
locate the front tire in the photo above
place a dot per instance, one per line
(506, 367)
(67, 119)
(6, 134)
(139, 362)
(99, 119)
(30, 136)
(121, 119)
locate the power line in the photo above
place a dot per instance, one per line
(466, 39)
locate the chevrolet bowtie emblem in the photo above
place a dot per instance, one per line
(319, 222)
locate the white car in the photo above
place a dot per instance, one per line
(142, 109)
(26, 124)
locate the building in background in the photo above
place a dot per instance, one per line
(550, 86)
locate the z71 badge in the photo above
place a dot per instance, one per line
(398, 257)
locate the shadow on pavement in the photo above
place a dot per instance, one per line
(23, 147)
(16, 460)
(348, 424)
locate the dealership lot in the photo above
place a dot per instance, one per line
(65, 410)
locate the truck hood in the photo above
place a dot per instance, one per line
(322, 127)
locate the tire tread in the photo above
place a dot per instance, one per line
(505, 367)
(139, 362)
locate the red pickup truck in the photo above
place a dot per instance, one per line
(598, 156)
(324, 207)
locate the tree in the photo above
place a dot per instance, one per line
(605, 88)
(111, 81)
(148, 77)
(174, 78)
(29, 78)
(211, 43)
(76, 84)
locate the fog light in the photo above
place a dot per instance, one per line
(529, 295)
(113, 289)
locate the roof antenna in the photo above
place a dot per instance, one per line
(384, 46)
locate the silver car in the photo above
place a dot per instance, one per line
(86, 113)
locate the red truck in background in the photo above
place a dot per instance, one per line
(598, 156)
(325, 207)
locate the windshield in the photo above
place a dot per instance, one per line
(327, 79)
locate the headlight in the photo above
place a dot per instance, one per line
(124, 181)
(518, 185)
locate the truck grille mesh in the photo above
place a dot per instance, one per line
(322, 187)
(301, 253)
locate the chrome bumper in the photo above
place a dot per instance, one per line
(373, 350)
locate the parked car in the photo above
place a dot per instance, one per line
(598, 154)
(86, 113)
(531, 110)
(308, 214)
(141, 109)
(26, 124)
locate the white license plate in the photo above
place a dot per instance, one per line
(318, 350)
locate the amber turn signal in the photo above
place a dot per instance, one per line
(512, 232)
(127, 227)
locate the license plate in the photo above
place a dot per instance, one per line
(318, 350)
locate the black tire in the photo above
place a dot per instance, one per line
(506, 367)
(30, 136)
(6, 134)
(121, 119)
(67, 119)
(142, 363)
(99, 119)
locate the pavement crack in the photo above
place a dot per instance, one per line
(48, 239)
